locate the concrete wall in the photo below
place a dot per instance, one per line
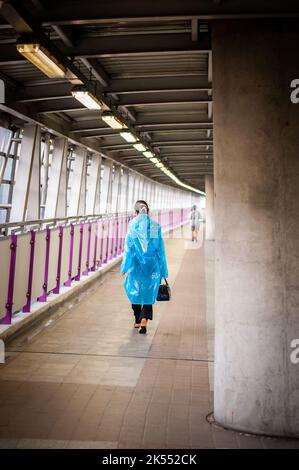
(210, 222)
(256, 141)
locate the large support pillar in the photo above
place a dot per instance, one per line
(257, 226)
(209, 211)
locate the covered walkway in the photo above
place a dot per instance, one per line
(87, 379)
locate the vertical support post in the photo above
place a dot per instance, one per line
(56, 290)
(77, 278)
(26, 307)
(77, 204)
(88, 251)
(43, 298)
(26, 194)
(57, 186)
(69, 281)
(6, 320)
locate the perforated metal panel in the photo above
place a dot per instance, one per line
(53, 259)
(22, 271)
(38, 265)
(65, 255)
(4, 269)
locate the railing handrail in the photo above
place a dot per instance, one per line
(20, 225)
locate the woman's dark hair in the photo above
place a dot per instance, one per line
(141, 207)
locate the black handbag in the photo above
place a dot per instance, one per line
(164, 292)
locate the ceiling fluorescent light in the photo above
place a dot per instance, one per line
(159, 164)
(87, 99)
(139, 147)
(42, 59)
(113, 121)
(154, 160)
(128, 136)
(148, 154)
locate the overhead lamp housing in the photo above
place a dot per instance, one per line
(87, 99)
(113, 121)
(154, 160)
(148, 154)
(128, 136)
(42, 59)
(140, 147)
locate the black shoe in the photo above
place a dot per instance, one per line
(142, 330)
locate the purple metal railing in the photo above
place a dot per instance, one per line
(108, 244)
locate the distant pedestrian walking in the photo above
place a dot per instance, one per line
(144, 261)
(195, 223)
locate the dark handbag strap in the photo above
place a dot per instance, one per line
(166, 283)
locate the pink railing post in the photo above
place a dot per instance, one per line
(94, 265)
(107, 241)
(56, 290)
(112, 238)
(6, 320)
(85, 272)
(78, 276)
(43, 297)
(102, 243)
(69, 281)
(117, 236)
(26, 307)
(121, 234)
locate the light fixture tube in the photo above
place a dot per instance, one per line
(42, 59)
(87, 99)
(113, 121)
(139, 147)
(154, 160)
(128, 136)
(148, 154)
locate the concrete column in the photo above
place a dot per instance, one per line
(256, 141)
(209, 212)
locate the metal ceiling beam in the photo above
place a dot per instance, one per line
(156, 84)
(98, 71)
(65, 33)
(166, 10)
(18, 15)
(143, 45)
(182, 142)
(163, 98)
(168, 119)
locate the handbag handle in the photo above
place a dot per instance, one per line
(166, 283)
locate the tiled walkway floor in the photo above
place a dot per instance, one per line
(88, 379)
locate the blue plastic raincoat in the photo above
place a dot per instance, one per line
(144, 260)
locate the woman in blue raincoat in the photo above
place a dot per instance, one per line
(144, 262)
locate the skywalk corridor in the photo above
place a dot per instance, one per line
(188, 111)
(87, 379)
